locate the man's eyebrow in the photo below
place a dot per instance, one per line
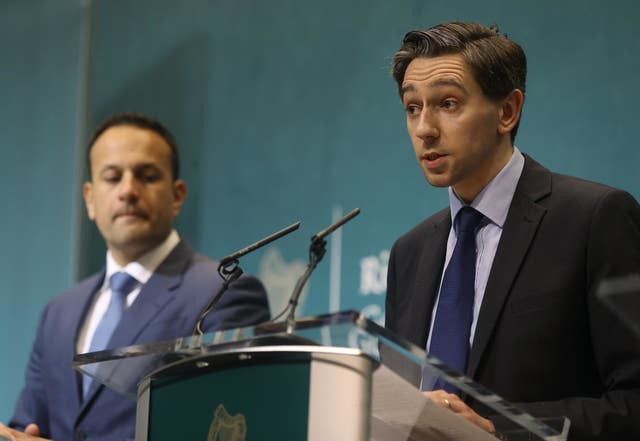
(146, 165)
(108, 167)
(407, 88)
(137, 167)
(442, 82)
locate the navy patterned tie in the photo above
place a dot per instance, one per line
(454, 315)
(121, 284)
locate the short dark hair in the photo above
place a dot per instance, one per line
(143, 122)
(498, 64)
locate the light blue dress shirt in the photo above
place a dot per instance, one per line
(493, 202)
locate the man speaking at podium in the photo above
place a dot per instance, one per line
(153, 287)
(501, 285)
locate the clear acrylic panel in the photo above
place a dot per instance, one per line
(399, 409)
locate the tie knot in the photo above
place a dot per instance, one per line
(468, 219)
(122, 283)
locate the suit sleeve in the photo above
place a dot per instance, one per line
(613, 251)
(31, 406)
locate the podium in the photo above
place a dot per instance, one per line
(331, 377)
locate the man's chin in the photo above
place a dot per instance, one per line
(439, 181)
(134, 232)
(135, 242)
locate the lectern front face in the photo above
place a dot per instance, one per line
(267, 393)
(259, 371)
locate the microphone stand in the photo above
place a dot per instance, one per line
(229, 270)
(317, 250)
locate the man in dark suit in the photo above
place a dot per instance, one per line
(532, 330)
(133, 195)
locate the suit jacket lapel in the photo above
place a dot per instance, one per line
(76, 312)
(519, 230)
(428, 277)
(154, 295)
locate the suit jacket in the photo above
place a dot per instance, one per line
(166, 308)
(543, 339)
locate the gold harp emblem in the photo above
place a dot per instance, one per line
(225, 427)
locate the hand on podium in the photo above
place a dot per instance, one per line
(453, 402)
(31, 433)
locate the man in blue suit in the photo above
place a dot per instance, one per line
(133, 196)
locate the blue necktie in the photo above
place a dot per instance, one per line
(121, 284)
(454, 315)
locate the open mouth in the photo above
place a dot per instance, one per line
(432, 156)
(433, 160)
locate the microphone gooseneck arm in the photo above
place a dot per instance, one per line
(229, 270)
(334, 226)
(317, 250)
(229, 274)
(259, 244)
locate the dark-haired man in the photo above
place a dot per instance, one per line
(501, 285)
(133, 196)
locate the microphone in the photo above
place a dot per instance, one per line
(317, 250)
(230, 271)
(337, 224)
(259, 244)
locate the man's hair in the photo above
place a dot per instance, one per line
(498, 64)
(141, 121)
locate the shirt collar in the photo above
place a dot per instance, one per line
(495, 199)
(143, 268)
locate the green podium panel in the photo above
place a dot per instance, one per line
(266, 393)
(232, 403)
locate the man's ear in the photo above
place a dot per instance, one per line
(179, 194)
(87, 193)
(510, 111)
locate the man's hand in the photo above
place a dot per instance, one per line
(32, 429)
(31, 433)
(456, 405)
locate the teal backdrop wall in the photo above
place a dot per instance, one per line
(284, 110)
(40, 89)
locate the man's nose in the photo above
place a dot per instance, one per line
(128, 189)
(427, 128)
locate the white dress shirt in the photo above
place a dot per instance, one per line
(142, 269)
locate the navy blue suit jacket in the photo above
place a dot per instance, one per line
(543, 339)
(166, 308)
